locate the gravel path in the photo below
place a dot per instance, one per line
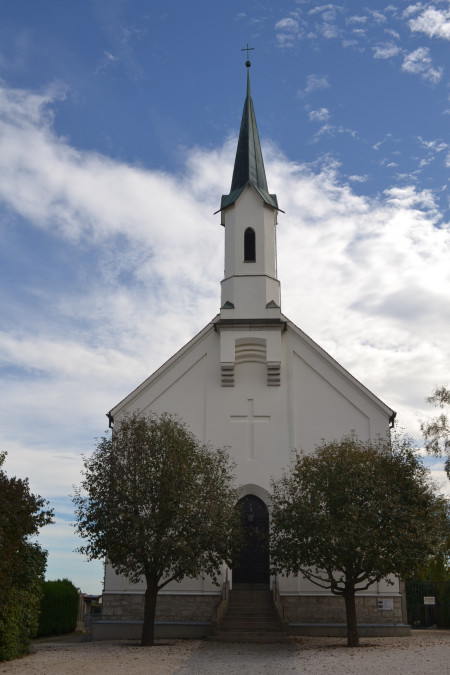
(424, 652)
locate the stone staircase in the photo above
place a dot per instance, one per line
(251, 617)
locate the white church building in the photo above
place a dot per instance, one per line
(255, 382)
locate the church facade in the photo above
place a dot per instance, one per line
(255, 382)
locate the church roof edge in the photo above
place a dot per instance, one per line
(290, 324)
(209, 328)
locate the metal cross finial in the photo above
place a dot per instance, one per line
(247, 49)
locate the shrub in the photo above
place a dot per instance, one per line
(20, 610)
(59, 608)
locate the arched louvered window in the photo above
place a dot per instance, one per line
(249, 245)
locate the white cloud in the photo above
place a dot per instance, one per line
(356, 20)
(418, 62)
(377, 16)
(320, 115)
(287, 24)
(314, 83)
(326, 24)
(433, 22)
(332, 130)
(107, 60)
(412, 9)
(330, 31)
(328, 11)
(385, 51)
(393, 33)
(437, 145)
(378, 145)
(357, 179)
(287, 32)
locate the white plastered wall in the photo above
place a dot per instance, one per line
(260, 424)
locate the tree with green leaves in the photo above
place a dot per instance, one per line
(22, 563)
(158, 504)
(437, 432)
(353, 513)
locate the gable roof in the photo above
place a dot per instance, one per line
(211, 328)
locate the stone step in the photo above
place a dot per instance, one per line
(264, 609)
(251, 621)
(252, 627)
(248, 617)
(250, 608)
(250, 596)
(251, 617)
(249, 612)
(255, 636)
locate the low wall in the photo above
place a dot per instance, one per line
(340, 630)
(330, 609)
(132, 630)
(325, 615)
(193, 616)
(169, 608)
(177, 616)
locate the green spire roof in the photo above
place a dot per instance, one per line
(249, 164)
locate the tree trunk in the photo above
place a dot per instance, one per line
(350, 610)
(148, 629)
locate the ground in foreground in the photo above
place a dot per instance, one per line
(424, 651)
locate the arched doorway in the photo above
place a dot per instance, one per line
(252, 568)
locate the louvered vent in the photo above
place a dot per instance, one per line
(250, 350)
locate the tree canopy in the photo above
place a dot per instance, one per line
(157, 503)
(353, 513)
(22, 562)
(437, 432)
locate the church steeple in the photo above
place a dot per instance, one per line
(250, 288)
(249, 163)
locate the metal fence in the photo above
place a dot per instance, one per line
(428, 604)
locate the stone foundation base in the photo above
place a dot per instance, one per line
(340, 630)
(192, 616)
(129, 607)
(330, 610)
(177, 616)
(132, 630)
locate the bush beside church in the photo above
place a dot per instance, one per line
(59, 608)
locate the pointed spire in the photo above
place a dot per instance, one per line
(249, 164)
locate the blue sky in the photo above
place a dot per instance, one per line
(118, 127)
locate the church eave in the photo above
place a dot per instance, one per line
(240, 324)
(230, 199)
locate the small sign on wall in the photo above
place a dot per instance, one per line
(386, 604)
(429, 600)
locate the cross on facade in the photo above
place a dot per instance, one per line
(250, 419)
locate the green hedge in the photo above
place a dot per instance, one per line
(19, 610)
(59, 608)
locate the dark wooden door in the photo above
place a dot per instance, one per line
(252, 569)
